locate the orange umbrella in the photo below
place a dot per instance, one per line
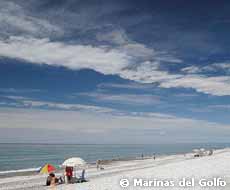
(47, 168)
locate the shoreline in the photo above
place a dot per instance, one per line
(28, 164)
(164, 166)
(35, 171)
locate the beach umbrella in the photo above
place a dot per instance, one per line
(47, 168)
(202, 149)
(196, 150)
(75, 162)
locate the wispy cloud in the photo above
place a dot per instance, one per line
(122, 42)
(191, 69)
(14, 19)
(218, 86)
(130, 85)
(117, 37)
(14, 90)
(214, 67)
(215, 108)
(25, 102)
(120, 39)
(128, 99)
(220, 107)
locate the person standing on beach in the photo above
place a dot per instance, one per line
(69, 174)
(98, 164)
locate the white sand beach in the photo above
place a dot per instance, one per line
(166, 168)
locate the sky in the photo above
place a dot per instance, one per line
(106, 71)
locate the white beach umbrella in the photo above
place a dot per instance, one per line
(196, 150)
(75, 162)
(202, 149)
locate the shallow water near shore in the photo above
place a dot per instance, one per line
(29, 157)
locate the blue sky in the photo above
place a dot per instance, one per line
(110, 71)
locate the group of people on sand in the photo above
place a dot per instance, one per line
(68, 177)
(153, 156)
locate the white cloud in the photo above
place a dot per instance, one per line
(147, 72)
(138, 99)
(30, 103)
(219, 86)
(130, 85)
(101, 59)
(218, 66)
(191, 69)
(208, 68)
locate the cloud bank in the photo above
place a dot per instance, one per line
(78, 127)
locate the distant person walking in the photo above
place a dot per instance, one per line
(98, 164)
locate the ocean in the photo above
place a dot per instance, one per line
(29, 157)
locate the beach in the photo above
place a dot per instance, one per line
(165, 168)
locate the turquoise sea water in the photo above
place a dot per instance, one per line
(26, 156)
